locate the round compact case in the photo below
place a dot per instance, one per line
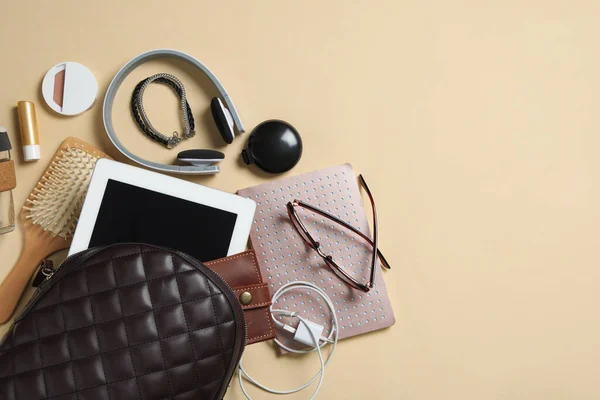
(125, 321)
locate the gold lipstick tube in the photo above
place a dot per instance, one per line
(30, 138)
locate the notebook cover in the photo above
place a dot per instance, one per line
(283, 256)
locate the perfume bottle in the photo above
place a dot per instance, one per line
(7, 184)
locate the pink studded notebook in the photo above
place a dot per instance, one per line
(284, 257)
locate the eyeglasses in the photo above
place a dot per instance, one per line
(315, 245)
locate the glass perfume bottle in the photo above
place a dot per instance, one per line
(7, 184)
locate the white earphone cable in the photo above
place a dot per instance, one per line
(317, 346)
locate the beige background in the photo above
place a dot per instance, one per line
(475, 123)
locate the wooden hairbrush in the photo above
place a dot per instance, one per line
(50, 215)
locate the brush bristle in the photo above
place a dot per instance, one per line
(55, 203)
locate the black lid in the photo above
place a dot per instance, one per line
(274, 146)
(4, 140)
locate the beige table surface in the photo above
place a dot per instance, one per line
(475, 122)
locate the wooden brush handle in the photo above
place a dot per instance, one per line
(16, 281)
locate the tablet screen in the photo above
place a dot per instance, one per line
(134, 214)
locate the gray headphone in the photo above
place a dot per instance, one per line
(225, 117)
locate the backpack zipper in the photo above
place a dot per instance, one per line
(49, 274)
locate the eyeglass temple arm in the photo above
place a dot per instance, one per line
(375, 233)
(375, 225)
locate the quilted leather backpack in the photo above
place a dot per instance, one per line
(125, 322)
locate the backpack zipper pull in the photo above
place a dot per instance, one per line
(45, 272)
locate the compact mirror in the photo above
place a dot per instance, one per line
(274, 146)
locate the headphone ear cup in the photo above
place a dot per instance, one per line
(200, 157)
(223, 119)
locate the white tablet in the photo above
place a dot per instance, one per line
(127, 204)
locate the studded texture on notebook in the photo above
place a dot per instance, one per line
(284, 257)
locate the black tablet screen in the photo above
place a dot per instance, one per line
(134, 214)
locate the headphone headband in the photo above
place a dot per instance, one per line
(118, 80)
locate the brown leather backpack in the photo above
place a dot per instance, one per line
(126, 321)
